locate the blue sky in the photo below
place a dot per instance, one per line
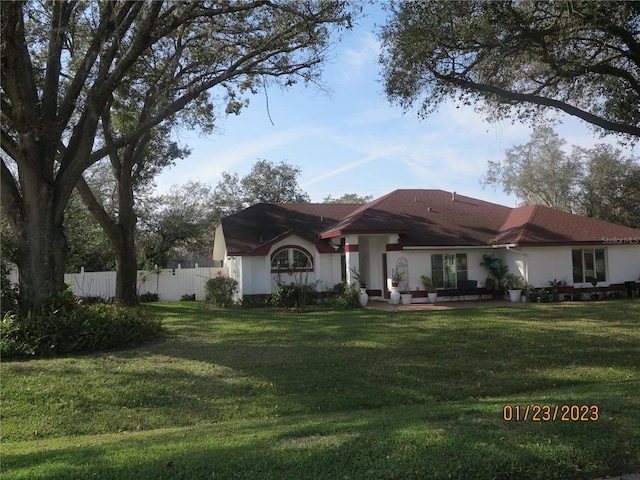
(352, 140)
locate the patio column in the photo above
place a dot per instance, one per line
(352, 257)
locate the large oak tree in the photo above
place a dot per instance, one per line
(518, 58)
(62, 70)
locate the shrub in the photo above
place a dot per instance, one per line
(293, 295)
(92, 300)
(188, 298)
(148, 297)
(220, 290)
(9, 299)
(254, 302)
(65, 325)
(344, 295)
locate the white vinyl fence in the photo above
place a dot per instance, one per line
(170, 285)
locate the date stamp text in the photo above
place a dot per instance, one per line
(551, 413)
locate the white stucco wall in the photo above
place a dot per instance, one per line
(219, 244)
(254, 272)
(544, 264)
(233, 268)
(377, 247)
(623, 262)
(538, 265)
(419, 261)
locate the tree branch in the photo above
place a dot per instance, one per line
(10, 194)
(96, 209)
(511, 96)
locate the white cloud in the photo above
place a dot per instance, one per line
(355, 61)
(339, 171)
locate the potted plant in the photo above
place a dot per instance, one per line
(428, 286)
(406, 297)
(358, 277)
(514, 284)
(497, 270)
(396, 277)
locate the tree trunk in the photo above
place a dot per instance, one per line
(126, 258)
(42, 247)
(121, 233)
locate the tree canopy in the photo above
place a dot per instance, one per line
(518, 58)
(69, 68)
(598, 182)
(538, 172)
(348, 198)
(176, 223)
(266, 183)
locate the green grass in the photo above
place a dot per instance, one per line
(335, 395)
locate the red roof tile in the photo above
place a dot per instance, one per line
(421, 218)
(260, 224)
(539, 225)
(426, 217)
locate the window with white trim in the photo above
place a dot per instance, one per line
(588, 265)
(291, 258)
(449, 269)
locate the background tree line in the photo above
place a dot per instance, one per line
(597, 182)
(173, 224)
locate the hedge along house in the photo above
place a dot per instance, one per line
(420, 232)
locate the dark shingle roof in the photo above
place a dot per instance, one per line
(421, 218)
(538, 225)
(426, 217)
(260, 224)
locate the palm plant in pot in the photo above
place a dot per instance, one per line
(427, 282)
(497, 271)
(358, 277)
(514, 284)
(396, 277)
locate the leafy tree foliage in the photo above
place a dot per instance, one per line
(610, 187)
(598, 182)
(348, 198)
(82, 81)
(269, 183)
(88, 245)
(539, 172)
(266, 183)
(518, 58)
(179, 222)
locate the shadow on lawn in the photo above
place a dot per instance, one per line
(371, 395)
(406, 443)
(399, 360)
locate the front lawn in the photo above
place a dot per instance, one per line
(261, 394)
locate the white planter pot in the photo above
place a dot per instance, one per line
(433, 296)
(394, 297)
(514, 295)
(364, 297)
(406, 298)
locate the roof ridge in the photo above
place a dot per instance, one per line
(521, 226)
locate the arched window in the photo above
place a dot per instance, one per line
(291, 258)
